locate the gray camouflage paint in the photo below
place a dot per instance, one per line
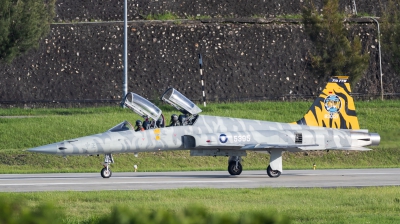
(241, 134)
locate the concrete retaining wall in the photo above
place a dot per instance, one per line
(89, 10)
(243, 59)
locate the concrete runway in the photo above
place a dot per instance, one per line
(198, 179)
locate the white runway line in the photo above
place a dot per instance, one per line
(130, 182)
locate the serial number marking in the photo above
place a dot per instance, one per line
(241, 138)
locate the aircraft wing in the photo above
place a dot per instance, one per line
(265, 147)
(274, 146)
(240, 149)
(226, 146)
(254, 147)
(260, 147)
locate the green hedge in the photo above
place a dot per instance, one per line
(17, 211)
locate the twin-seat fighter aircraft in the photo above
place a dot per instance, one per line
(330, 124)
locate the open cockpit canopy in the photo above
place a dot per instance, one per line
(180, 102)
(141, 106)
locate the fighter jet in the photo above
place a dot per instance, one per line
(330, 124)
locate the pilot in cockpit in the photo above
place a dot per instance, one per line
(146, 123)
(174, 120)
(183, 119)
(139, 126)
(160, 122)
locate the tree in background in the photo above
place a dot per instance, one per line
(334, 54)
(22, 24)
(391, 32)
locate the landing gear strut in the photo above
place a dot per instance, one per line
(274, 169)
(106, 171)
(234, 166)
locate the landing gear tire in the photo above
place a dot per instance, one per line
(105, 173)
(233, 169)
(273, 173)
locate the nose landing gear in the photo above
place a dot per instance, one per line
(106, 171)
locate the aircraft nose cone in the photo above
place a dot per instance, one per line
(49, 149)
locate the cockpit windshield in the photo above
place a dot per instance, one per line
(123, 126)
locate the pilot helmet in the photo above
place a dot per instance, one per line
(174, 117)
(138, 123)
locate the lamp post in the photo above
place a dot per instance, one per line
(125, 76)
(380, 55)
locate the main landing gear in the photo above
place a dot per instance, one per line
(273, 173)
(106, 171)
(274, 169)
(234, 166)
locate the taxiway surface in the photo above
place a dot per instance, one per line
(198, 179)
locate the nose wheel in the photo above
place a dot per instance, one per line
(106, 171)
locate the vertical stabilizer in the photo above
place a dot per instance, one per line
(334, 107)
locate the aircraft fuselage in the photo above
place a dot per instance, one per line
(211, 132)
